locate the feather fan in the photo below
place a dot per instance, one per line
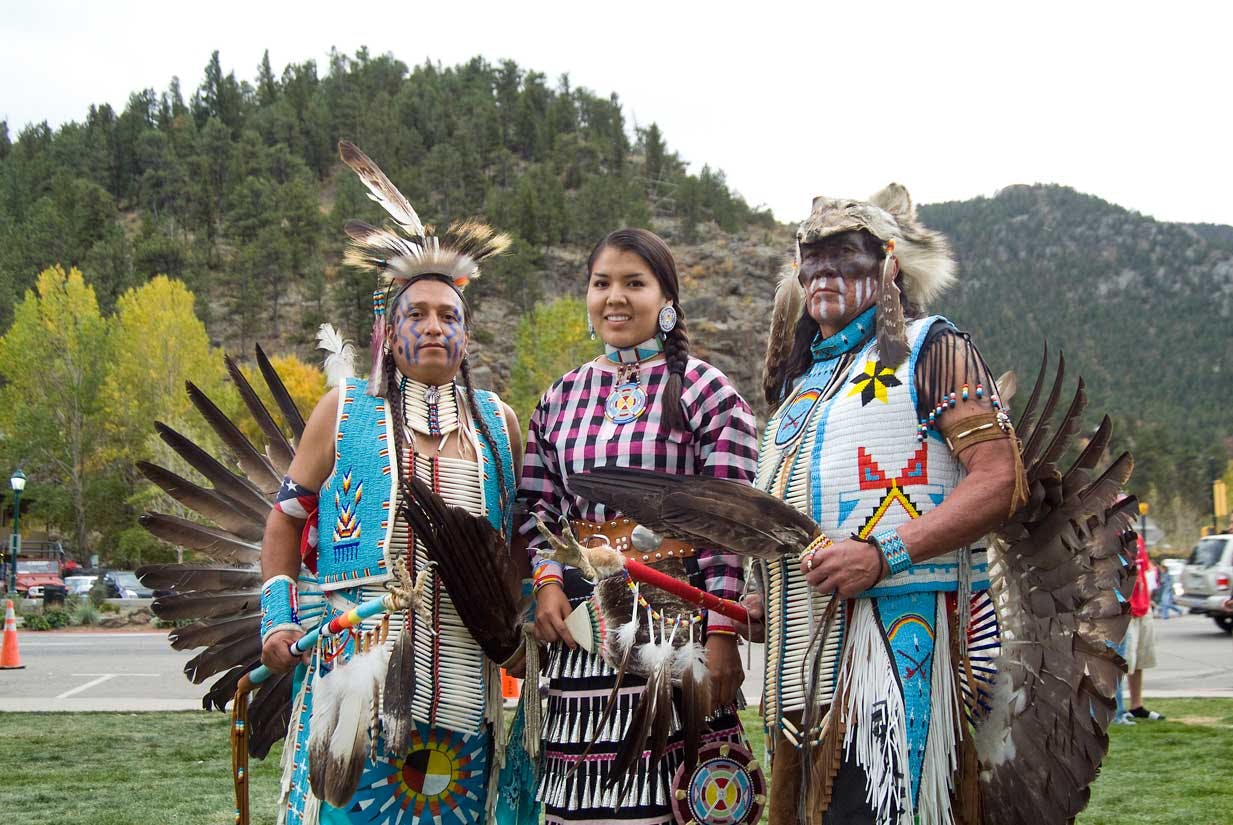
(473, 563)
(700, 509)
(1061, 586)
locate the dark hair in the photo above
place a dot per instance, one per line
(655, 253)
(393, 394)
(800, 356)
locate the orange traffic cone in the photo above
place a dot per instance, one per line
(10, 656)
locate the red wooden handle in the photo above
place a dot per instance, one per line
(649, 575)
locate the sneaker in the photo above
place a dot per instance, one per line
(1143, 713)
(1123, 719)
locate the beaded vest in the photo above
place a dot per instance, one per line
(354, 504)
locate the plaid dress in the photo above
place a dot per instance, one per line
(569, 433)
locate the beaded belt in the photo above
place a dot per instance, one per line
(619, 533)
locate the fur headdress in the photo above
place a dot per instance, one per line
(923, 257)
(407, 250)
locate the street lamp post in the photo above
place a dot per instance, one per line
(18, 483)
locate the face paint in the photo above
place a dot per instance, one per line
(839, 276)
(428, 332)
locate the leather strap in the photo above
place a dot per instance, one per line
(619, 532)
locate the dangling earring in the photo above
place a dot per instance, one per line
(667, 319)
(590, 328)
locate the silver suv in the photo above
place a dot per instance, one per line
(1206, 579)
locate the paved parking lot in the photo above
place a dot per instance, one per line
(139, 671)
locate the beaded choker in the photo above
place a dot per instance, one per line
(855, 334)
(428, 409)
(631, 355)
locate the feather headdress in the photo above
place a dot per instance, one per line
(923, 257)
(406, 249)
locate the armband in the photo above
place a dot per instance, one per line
(892, 548)
(279, 610)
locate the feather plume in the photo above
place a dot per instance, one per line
(695, 699)
(380, 189)
(700, 509)
(372, 246)
(255, 465)
(340, 358)
(286, 404)
(223, 512)
(651, 718)
(892, 328)
(396, 722)
(278, 448)
(336, 751)
(475, 240)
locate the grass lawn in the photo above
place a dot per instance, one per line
(174, 769)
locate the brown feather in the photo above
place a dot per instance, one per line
(700, 509)
(1029, 408)
(236, 489)
(223, 689)
(473, 563)
(380, 189)
(892, 327)
(1061, 584)
(205, 605)
(251, 461)
(208, 503)
(220, 657)
(217, 544)
(396, 722)
(278, 448)
(216, 631)
(269, 714)
(189, 577)
(282, 398)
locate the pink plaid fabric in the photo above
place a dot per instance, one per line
(570, 434)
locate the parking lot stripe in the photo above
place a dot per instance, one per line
(86, 686)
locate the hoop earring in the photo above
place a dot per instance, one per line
(667, 319)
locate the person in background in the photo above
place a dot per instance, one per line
(1140, 638)
(1166, 593)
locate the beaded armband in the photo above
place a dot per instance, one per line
(892, 548)
(279, 610)
(546, 574)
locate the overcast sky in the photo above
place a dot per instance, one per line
(790, 100)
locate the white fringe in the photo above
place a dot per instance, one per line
(869, 676)
(941, 753)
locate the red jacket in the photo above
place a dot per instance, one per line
(1141, 597)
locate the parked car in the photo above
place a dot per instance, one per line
(128, 582)
(35, 574)
(1206, 580)
(82, 585)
